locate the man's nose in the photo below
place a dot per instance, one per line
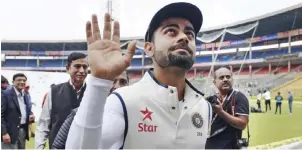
(183, 38)
(81, 69)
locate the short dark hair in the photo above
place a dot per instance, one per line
(19, 75)
(52, 85)
(3, 79)
(74, 56)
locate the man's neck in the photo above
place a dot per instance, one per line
(224, 93)
(172, 77)
(19, 90)
(76, 85)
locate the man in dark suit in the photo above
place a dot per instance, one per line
(15, 115)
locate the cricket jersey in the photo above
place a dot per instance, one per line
(145, 115)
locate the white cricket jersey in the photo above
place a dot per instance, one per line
(156, 120)
(267, 95)
(259, 96)
(148, 114)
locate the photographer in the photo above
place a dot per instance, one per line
(230, 116)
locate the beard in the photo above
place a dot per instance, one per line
(181, 61)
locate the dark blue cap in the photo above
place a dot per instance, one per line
(178, 10)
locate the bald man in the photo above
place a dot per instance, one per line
(231, 113)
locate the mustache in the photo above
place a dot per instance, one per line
(226, 83)
(182, 45)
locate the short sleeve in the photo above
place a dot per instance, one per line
(241, 104)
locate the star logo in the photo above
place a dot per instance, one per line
(147, 114)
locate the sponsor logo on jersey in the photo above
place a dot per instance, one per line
(143, 126)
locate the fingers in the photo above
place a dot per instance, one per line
(116, 32)
(95, 28)
(89, 33)
(107, 27)
(130, 52)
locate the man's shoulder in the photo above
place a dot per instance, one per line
(59, 86)
(134, 91)
(241, 95)
(7, 92)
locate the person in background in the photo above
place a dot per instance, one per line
(44, 98)
(60, 140)
(30, 102)
(61, 99)
(4, 83)
(230, 113)
(15, 115)
(267, 98)
(290, 101)
(259, 97)
(278, 99)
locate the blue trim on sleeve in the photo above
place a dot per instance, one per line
(125, 116)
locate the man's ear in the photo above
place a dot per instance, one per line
(148, 47)
(67, 67)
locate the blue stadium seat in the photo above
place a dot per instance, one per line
(20, 63)
(53, 63)
(257, 54)
(201, 59)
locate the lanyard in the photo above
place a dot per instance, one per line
(225, 99)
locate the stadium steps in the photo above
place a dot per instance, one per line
(292, 85)
(254, 72)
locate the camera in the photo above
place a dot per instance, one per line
(213, 100)
(242, 143)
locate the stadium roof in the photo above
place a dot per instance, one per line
(282, 20)
(279, 21)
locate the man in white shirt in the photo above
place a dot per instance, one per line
(267, 98)
(61, 99)
(162, 110)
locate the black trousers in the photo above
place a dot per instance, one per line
(267, 103)
(278, 105)
(259, 104)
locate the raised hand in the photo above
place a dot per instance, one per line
(104, 55)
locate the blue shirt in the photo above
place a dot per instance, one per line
(279, 99)
(290, 96)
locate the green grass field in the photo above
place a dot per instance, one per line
(270, 127)
(265, 127)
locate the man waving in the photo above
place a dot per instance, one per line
(162, 110)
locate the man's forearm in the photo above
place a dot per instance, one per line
(236, 122)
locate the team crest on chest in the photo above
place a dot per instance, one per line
(197, 120)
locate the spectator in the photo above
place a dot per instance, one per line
(259, 97)
(61, 99)
(278, 99)
(4, 83)
(231, 114)
(290, 101)
(15, 115)
(267, 98)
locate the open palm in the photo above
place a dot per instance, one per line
(104, 55)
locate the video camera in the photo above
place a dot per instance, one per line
(213, 100)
